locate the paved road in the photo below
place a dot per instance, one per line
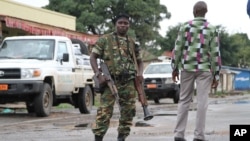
(69, 125)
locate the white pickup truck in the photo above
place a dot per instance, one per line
(158, 82)
(42, 71)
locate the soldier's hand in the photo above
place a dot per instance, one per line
(101, 78)
(175, 76)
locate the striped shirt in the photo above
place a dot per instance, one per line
(197, 47)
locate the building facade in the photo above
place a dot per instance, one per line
(18, 19)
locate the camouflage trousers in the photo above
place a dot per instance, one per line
(127, 98)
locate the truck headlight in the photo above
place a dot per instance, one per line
(168, 80)
(30, 73)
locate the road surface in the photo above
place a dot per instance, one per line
(69, 125)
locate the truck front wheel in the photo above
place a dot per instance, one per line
(43, 101)
(85, 100)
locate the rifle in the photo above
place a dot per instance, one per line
(142, 99)
(110, 82)
(140, 91)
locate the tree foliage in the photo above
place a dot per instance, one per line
(96, 16)
(228, 52)
(235, 48)
(241, 50)
(167, 43)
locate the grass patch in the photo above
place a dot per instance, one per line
(64, 106)
(219, 93)
(246, 92)
(224, 94)
(230, 93)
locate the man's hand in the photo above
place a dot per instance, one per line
(215, 83)
(175, 76)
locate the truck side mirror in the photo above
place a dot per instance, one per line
(65, 57)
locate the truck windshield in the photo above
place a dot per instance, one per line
(158, 69)
(28, 49)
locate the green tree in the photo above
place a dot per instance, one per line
(240, 43)
(228, 53)
(96, 16)
(167, 43)
(234, 48)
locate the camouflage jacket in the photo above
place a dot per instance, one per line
(117, 52)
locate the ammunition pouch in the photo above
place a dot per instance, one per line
(124, 74)
(123, 77)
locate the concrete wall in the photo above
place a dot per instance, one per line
(39, 15)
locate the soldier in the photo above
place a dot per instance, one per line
(116, 50)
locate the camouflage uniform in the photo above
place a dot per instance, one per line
(118, 60)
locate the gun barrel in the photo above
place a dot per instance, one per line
(147, 115)
(143, 100)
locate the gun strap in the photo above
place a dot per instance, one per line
(128, 40)
(133, 49)
(110, 44)
(135, 60)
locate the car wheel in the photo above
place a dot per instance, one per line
(156, 100)
(85, 100)
(43, 101)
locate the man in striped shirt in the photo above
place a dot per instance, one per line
(197, 56)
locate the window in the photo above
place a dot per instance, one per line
(62, 48)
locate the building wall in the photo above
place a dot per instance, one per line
(227, 82)
(242, 80)
(39, 15)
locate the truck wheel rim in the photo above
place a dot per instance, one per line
(46, 100)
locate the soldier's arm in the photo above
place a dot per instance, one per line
(93, 62)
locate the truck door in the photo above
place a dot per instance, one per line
(65, 79)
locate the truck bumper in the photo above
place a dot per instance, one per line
(15, 87)
(161, 91)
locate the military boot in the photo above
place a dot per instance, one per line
(98, 138)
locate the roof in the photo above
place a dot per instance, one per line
(167, 53)
(36, 14)
(235, 68)
(35, 28)
(157, 63)
(36, 37)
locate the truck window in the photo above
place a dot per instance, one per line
(47, 50)
(62, 48)
(28, 49)
(158, 69)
